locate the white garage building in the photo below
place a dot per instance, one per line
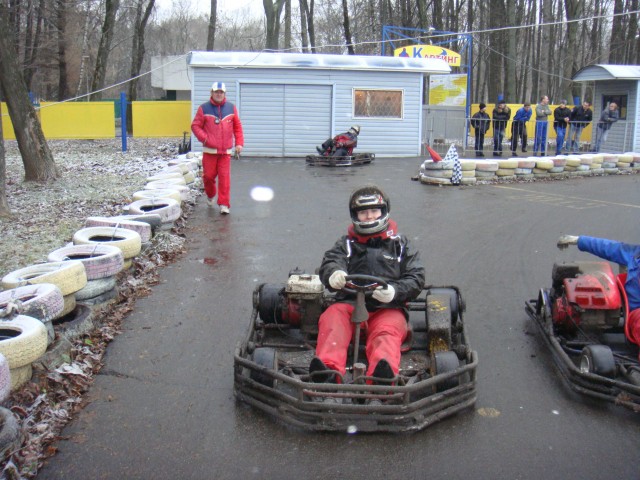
(290, 102)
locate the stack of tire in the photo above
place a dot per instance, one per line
(624, 162)
(559, 164)
(635, 160)
(101, 262)
(24, 339)
(507, 169)
(142, 224)
(486, 170)
(525, 168)
(436, 173)
(586, 164)
(571, 167)
(128, 241)
(543, 165)
(468, 172)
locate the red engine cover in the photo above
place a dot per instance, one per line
(595, 288)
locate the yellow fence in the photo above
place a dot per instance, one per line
(531, 124)
(80, 120)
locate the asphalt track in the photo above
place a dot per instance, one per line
(163, 406)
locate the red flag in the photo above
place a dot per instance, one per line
(434, 155)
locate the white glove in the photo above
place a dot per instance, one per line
(565, 240)
(384, 295)
(338, 279)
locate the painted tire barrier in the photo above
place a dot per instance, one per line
(144, 229)
(151, 219)
(157, 193)
(43, 301)
(99, 260)
(68, 276)
(165, 182)
(95, 288)
(126, 240)
(23, 340)
(5, 379)
(100, 299)
(168, 209)
(175, 177)
(77, 324)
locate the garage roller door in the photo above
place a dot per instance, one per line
(284, 120)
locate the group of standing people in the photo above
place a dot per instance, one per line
(567, 123)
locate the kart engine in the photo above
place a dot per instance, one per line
(591, 300)
(298, 304)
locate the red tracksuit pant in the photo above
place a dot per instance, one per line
(385, 330)
(634, 327)
(217, 166)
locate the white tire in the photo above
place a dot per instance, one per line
(486, 165)
(573, 161)
(468, 173)
(95, 288)
(23, 340)
(167, 182)
(143, 228)
(5, 379)
(43, 301)
(20, 376)
(467, 165)
(438, 173)
(189, 178)
(70, 303)
(157, 193)
(505, 172)
(523, 171)
(168, 209)
(508, 164)
(126, 240)
(99, 260)
(435, 180)
(176, 177)
(442, 165)
(68, 276)
(484, 174)
(527, 164)
(556, 170)
(544, 164)
(183, 190)
(559, 162)
(468, 180)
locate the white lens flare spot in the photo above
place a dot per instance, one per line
(262, 194)
(351, 429)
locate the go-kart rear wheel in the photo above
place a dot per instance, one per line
(598, 359)
(270, 303)
(264, 357)
(446, 362)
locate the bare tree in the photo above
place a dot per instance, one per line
(4, 205)
(272, 12)
(104, 47)
(211, 30)
(347, 29)
(61, 24)
(36, 156)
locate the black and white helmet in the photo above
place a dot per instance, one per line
(365, 198)
(355, 129)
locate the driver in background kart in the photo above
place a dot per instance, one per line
(374, 247)
(622, 254)
(341, 145)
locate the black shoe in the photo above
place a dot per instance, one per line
(542, 154)
(383, 372)
(496, 154)
(514, 154)
(319, 150)
(479, 154)
(323, 374)
(524, 150)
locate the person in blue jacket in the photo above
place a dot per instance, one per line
(622, 254)
(519, 128)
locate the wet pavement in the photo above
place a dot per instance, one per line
(163, 405)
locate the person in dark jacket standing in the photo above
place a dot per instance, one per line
(501, 115)
(216, 125)
(560, 124)
(581, 116)
(480, 122)
(609, 116)
(519, 128)
(542, 114)
(372, 246)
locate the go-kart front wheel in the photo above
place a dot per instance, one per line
(446, 362)
(598, 359)
(264, 357)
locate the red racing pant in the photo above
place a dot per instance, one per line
(384, 330)
(218, 166)
(634, 327)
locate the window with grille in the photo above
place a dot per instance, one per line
(369, 103)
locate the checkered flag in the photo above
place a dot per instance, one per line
(452, 156)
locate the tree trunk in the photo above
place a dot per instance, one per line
(36, 156)
(287, 25)
(61, 24)
(510, 62)
(211, 30)
(304, 33)
(574, 9)
(272, 13)
(347, 28)
(104, 47)
(618, 34)
(137, 54)
(4, 205)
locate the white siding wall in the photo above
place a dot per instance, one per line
(307, 106)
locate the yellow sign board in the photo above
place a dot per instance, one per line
(429, 51)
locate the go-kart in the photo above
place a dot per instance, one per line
(331, 161)
(582, 319)
(271, 364)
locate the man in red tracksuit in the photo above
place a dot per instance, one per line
(372, 246)
(215, 125)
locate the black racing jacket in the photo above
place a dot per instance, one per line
(387, 255)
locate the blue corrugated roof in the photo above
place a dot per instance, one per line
(316, 61)
(607, 72)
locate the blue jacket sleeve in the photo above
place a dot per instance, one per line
(610, 250)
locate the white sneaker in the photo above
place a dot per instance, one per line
(224, 210)
(210, 202)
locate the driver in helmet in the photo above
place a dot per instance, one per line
(621, 253)
(374, 247)
(341, 145)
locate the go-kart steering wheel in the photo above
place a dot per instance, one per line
(355, 283)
